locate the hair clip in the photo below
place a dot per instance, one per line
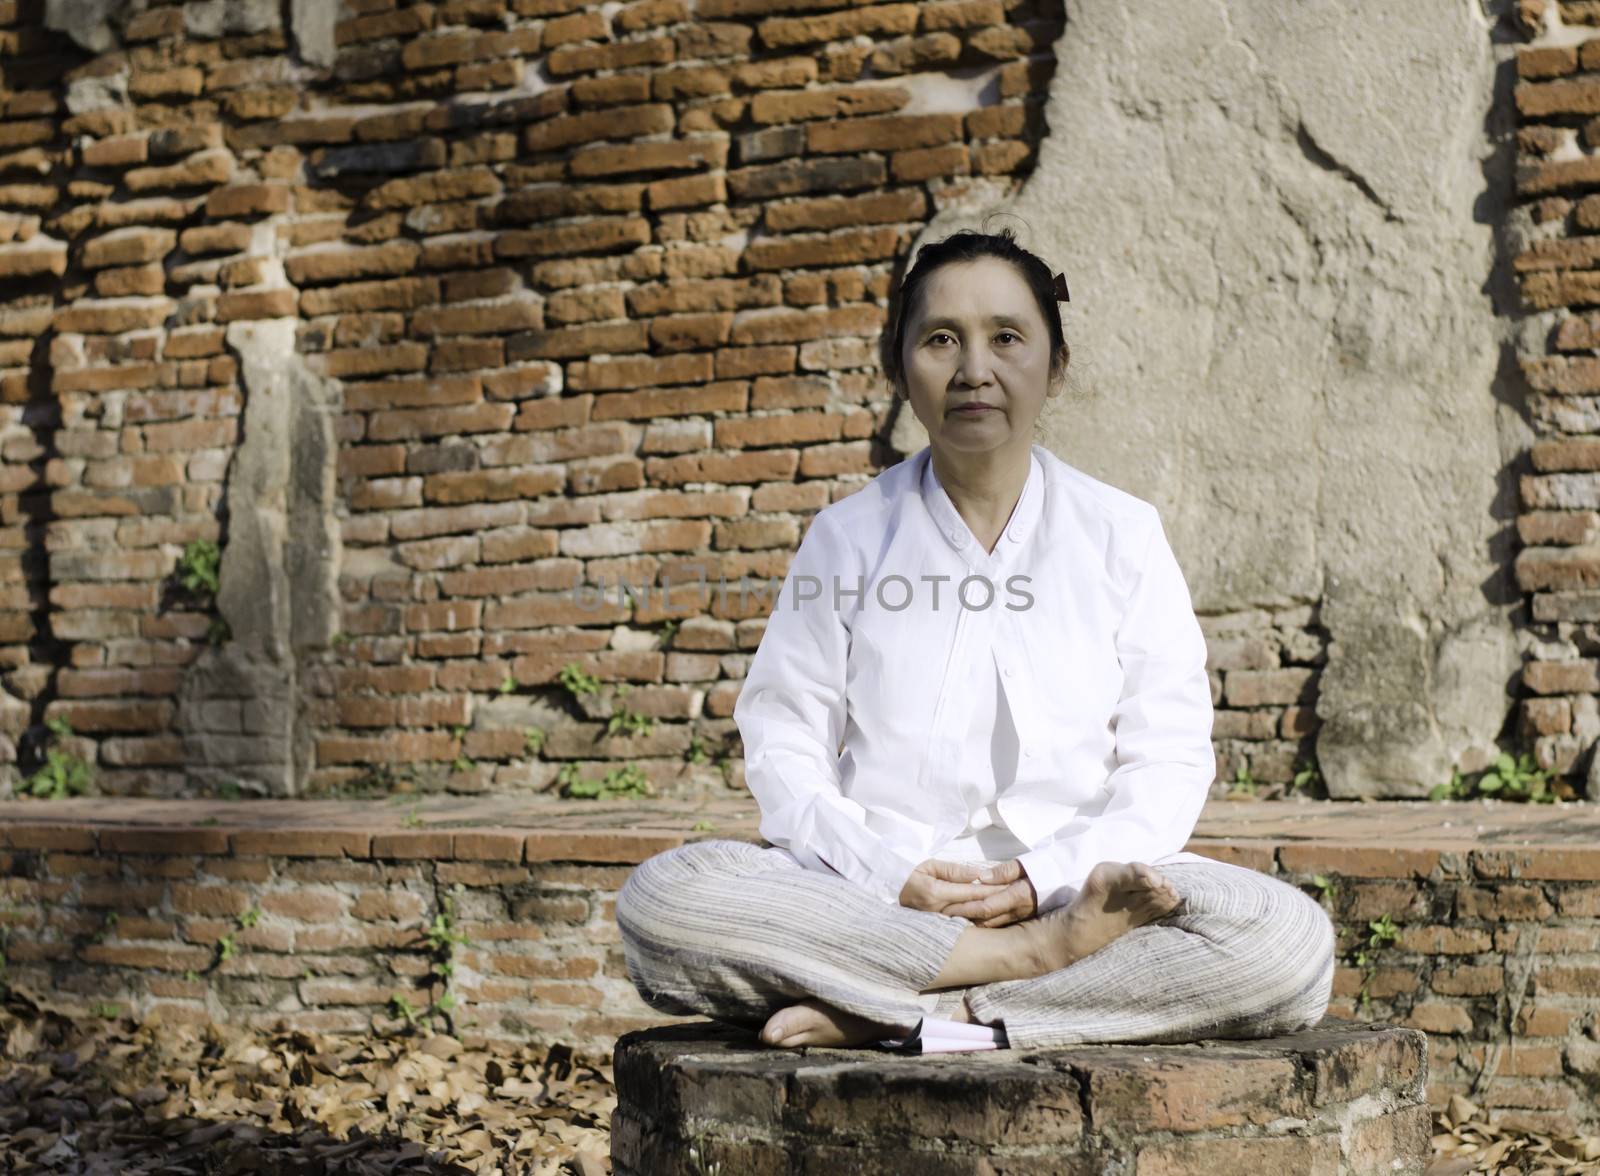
(1061, 287)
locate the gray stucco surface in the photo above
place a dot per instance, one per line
(1278, 226)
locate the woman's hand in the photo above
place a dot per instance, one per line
(957, 888)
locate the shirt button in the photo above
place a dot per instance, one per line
(959, 539)
(1008, 671)
(1014, 535)
(1026, 754)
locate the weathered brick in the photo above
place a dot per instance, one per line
(248, 200)
(619, 55)
(1540, 63)
(302, 843)
(206, 169)
(129, 246)
(257, 304)
(116, 151)
(1358, 861)
(113, 315)
(479, 318)
(395, 294)
(466, 183)
(369, 361)
(1542, 99)
(342, 262)
(408, 424)
(678, 155)
(1562, 677)
(173, 958)
(28, 258)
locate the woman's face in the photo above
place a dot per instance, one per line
(977, 338)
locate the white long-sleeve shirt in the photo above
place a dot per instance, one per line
(889, 717)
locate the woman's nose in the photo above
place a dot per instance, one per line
(975, 366)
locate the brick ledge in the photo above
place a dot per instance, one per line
(1364, 839)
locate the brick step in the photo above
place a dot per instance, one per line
(323, 906)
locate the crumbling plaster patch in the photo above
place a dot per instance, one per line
(278, 588)
(1278, 225)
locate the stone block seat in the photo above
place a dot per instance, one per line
(1344, 1097)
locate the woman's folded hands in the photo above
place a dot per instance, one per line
(991, 896)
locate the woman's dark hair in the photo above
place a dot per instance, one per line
(970, 245)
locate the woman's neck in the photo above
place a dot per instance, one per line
(984, 487)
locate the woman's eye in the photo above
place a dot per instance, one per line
(945, 335)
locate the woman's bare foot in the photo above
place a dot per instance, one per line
(1116, 897)
(813, 1022)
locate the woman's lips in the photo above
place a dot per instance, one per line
(974, 409)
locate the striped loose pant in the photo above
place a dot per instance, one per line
(733, 931)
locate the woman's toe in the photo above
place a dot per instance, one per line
(779, 1026)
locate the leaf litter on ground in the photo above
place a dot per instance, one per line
(1465, 1141)
(104, 1097)
(98, 1095)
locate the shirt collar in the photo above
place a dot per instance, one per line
(954, 528)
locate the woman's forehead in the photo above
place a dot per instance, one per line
(977, 292)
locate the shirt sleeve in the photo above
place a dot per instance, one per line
(1162, 720)
(791, 717)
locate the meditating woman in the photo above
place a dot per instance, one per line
(978, 727)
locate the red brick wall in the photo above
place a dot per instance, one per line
(595, 298)
(1553, 228)
(598, 295)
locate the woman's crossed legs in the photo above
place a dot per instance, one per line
(732, 931)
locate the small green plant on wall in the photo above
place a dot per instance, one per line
(1381, 933)
(200, 567)
(625, 780)
(403, 1008)
(199, 573)
(1243, 783)
(226, 946)
(627, 721)
(576, 681)
(1307, 777)
(108, 924)
(62, 774)
(443, 937)
(622, 720)
(1509, 778)
(462, 762)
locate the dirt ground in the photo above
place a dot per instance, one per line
(104, 1096)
